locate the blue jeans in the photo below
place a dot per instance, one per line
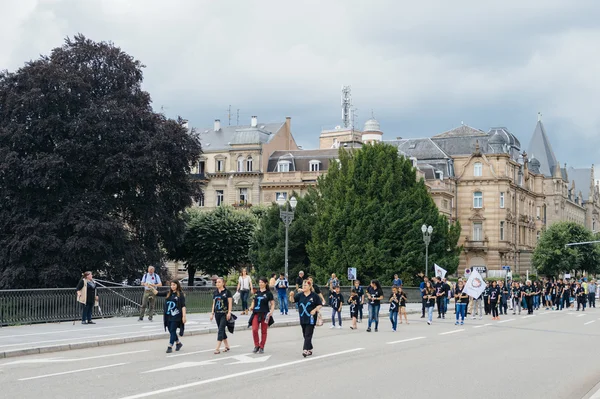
(394, 320)
(86, 314)
(173, 331)
(461, 310)
(244, 296)
(430, 313)
(339, 314)
(536, 301)
(283, 302)
(374, 315)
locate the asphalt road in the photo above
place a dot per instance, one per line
(549, 355)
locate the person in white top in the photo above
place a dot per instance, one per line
(150, 281)
(244, 287)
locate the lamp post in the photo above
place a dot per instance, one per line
(427, 230)
(287, 216)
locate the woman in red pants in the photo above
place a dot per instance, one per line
(262, 307)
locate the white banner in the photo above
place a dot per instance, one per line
(475, 285)
(439, 271)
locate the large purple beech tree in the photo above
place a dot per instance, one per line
(90, 177)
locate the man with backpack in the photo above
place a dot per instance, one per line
(150, 281)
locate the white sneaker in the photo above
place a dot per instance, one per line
(339, 327)
(332, 326)
(428, 322)
(473, 317)
(480, 317)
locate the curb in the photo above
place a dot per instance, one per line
(136, 338)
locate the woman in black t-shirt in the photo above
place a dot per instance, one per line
(174, 315)
(361, 299)
(375, 295)
(309, 304)
(429, 295)
(221, 311)
(403, 299)
(262, 307)
(494, 293)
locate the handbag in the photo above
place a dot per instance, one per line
(236, 297)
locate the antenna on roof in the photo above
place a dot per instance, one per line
(346, 106)
(372, 114)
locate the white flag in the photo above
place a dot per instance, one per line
(475, 285)
(439, 272)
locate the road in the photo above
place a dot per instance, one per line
(549, 355)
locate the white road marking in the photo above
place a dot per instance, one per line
(531, 315)
(240, 374)
(202, 351)
(581, 315)
(405, 340)
(506, 321)
(71, 372)
(483, 325)
(451, 332)
(240, 359)
(95, 328)
(545, 312)
(61, 360)
(589, 322)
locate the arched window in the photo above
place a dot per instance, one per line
(249, 164)
(477, 169)
(240, 164)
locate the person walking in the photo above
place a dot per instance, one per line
(504, 295)
(263, 305)
(439, 294)
(336, 300)
(87, 295)
(353, 301)
(580, 295)
(517, 296)
(394, 305)
(244, 287)
(174, 315)
(529, 292)
(493, 300)
(221, 312)
(462, 300)
(430, 297)
(360, 292)
(486, 298)
(403, 300)
(592, 294)
(375, 295)
(536, 295)
(309, 304)
(282, 285)
(150, 281)
(423, 299)
(566, 295)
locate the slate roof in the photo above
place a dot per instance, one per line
(582, 178)
(540, 147)
(422, 148)
(244, 134)
(461, 131)
(300, 159)
(462, 145)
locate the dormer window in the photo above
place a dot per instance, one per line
(477, 169)
(315, 165)
(283, 166)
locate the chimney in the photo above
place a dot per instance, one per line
(254, 122)
(217, 125)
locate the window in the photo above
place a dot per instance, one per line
(478, 169)
(538, 212)
(220, 165)
(240, 164)
(220, 197)
(201, 167)
(249, 164)
(502, 231)
(278, 194)
(283, 166)
(244, 195)
(477, 231)
(445, 204)
(201, 202)
(538, 236)
(314, 166)
(501, 200)
(477, 199)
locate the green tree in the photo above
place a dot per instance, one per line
(90, 177)
(369, 215)
(215, 242)
(552, 258)
(268, 246)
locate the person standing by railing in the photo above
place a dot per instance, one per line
(150, 281)
(281, 284)
(87, 295)
(244, 287)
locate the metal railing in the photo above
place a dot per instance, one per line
(60, 304)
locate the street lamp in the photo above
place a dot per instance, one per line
(427, 230)
(287, 216)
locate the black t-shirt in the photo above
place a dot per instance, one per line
(459, 292)
(486, 292)
(336, 300)
(439, 288)
(299, 281)
(306, 304)
(528, 290)
(494, 293)
(403, 299)
(261, 301)
(375, 294)
(504, 292)
(430, 300)
(446, 288)
(221, 300)
(394, 302)
(316, 288)
(353, 302)
(173, 305)
(360, 292)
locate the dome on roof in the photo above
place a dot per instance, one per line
(534, 162)
(509, 138)
(372, 125)
(497, 139)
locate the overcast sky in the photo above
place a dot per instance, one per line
(422, 67)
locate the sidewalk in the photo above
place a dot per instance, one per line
(55, 337)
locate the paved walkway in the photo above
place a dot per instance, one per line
(54, 337)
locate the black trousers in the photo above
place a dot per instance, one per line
(486, 305)
(529, 302)
(592, 299)
(423, 302)
(503, 305)
(360, 309)
(307, 332)
(494, 308)
(581, 301)
(221, 319)
(440, 305)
